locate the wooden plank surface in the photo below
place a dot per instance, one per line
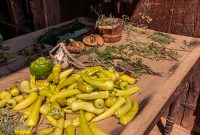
(163, 92)
(156, 92)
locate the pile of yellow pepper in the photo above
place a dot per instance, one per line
(94, 93)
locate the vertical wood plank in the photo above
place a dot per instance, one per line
(160, 11)
(17, 15)
(196, 127)
(197, 23)
(181, 109)
(189, 117)
(173, 16)
(16, 9)
(45, 13)
(38, 14)
(52, 12)
(184, 16)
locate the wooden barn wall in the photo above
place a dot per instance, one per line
(173, 16)
(76, 8)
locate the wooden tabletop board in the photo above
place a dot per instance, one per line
(155, 90)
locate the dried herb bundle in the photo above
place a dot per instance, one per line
(103, 20)
(191, 43)
(9, 121)
(152, 51)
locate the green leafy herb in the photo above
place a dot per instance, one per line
(5, 56)
(4, 48)
(161, 38)
(87, 52)
(1, 38)
(193, 42)
(25, 52)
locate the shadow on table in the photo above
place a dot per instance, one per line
(161, 127)
(143, 103)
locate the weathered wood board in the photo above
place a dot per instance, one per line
(156, 92)
(172, 16)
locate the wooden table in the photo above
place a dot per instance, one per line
(157, 93)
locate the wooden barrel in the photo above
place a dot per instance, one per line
(113, 33)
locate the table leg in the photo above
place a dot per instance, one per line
(172, 114)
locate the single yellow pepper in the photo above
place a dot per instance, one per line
(110, 101)
(59, 127)
(86, 106)
(35, 112)
(55, 110)
(25, 86)
(14, 91)
(100, 84)
(27, 112)
(19, 98)
(22, 131)
(127, 92)
(71, 130)
(66, 73)
(109, 74)
(10, 103)
(42, 84)
(84, 87)
(45, 131)
(64, 94)
(30, 99)
(46, 92)
(111, 110)
(52, 88)
(127, 79)
(126, 118)
(64, 82)
(32, 82)
(93, 95)
(4, 96)
(76, 122)
(56, 73)
(85, 129)
(72, 86)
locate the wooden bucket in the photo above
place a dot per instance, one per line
(113, 33)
